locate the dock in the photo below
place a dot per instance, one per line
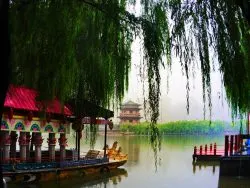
(213, 154)
(233, 156)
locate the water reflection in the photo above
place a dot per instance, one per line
(201, 165)
(130, 146)
(224, 182)
(104, 180)
(232, 182)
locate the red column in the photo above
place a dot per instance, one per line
(13, 136)
(215, 148)
(236, 143)
(231, 144)
(62, 142)
(226, 145)
(23, 144)
(195, 150)
(38, 144)
(52, 143)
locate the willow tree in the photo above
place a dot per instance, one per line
(70, 50)
(81, 49)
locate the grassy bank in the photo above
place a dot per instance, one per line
(186, 127)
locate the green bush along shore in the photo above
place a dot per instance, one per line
(193, 127)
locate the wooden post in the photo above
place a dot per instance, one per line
(226, 145)
(239, 146)
(240, 142)
(195, 150)
(201, 150)
(105, 141)
(78, 144)
(231, 145)
(206, 149)
(211, 148)
(195, 154)
(236, 143)
(76, 141)
(215, 148)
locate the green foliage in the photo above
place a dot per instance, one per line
(214, 26)
(194, 127)
(81, 49)
(71, 50)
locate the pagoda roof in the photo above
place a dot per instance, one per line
(23, 98)
(130, 103)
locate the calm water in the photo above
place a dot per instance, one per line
(174, 168)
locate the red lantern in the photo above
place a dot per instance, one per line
(30, 116)
(48, 117)
(10, 114)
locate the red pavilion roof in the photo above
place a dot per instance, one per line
(23, 98)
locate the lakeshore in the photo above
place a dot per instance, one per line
(194, 127)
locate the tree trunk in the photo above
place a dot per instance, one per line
(4, 58)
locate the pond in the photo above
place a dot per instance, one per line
(173, 167)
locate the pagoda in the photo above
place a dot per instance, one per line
(130, 113)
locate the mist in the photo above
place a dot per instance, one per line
(173, 100)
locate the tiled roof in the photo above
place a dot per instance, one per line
(24, 98)
(131, 103)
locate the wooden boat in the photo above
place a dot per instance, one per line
(21, 122)
(92, 162)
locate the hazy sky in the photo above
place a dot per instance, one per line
(173, 103)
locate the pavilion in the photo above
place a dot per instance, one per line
(25, 115)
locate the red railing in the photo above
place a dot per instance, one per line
(233, 145)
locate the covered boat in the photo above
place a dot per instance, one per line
(23, 122)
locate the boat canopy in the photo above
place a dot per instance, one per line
(23, 98)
